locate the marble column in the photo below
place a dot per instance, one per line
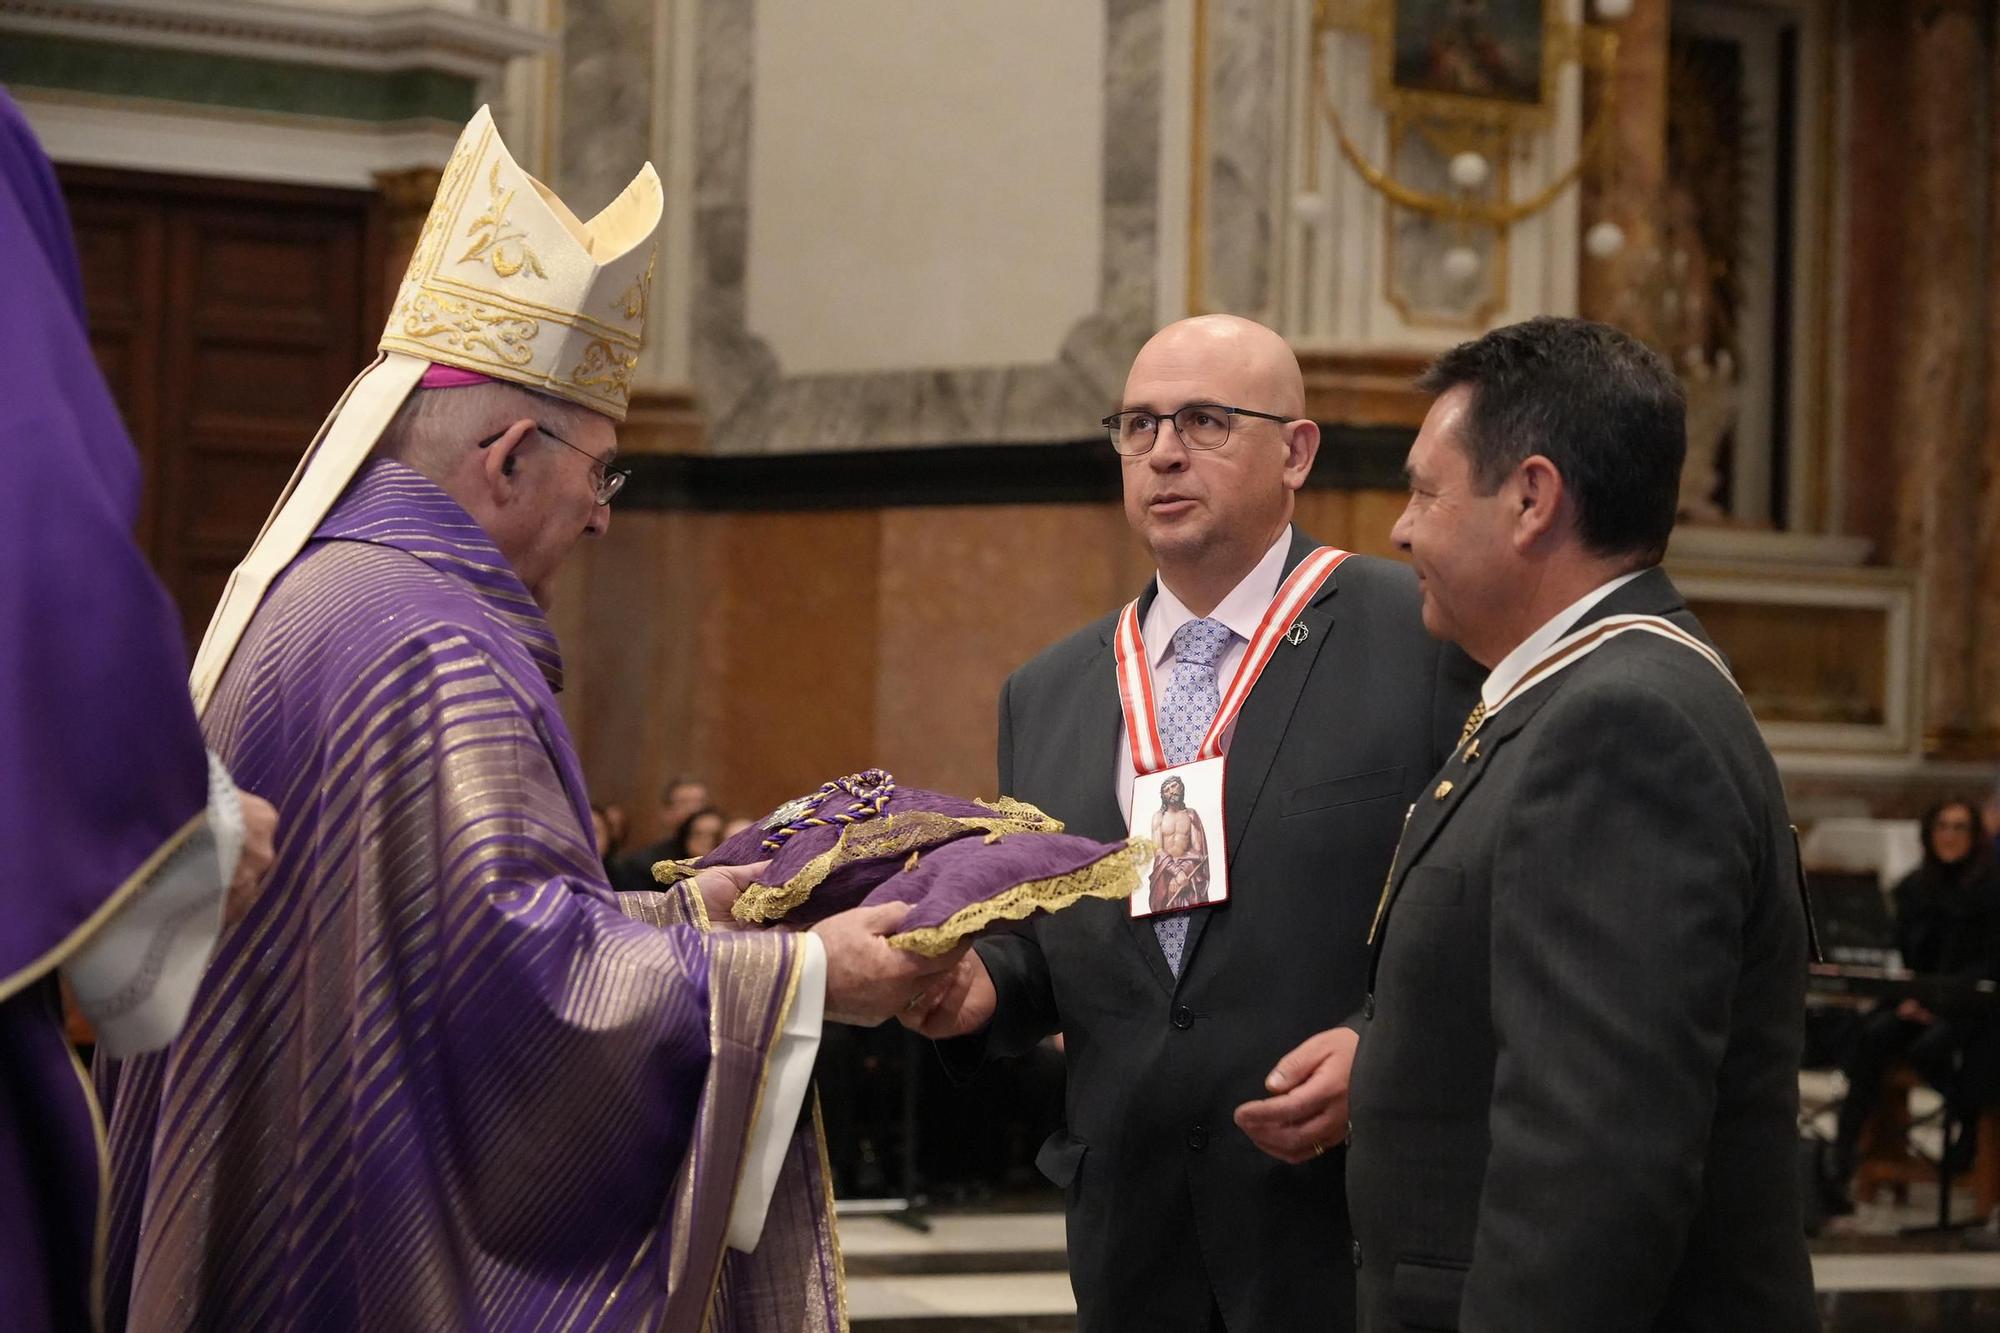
(1244, 107)
(1624, 181)
(615, 101)
(608, 99)
(1937, 346)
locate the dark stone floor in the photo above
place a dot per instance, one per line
(1941, 1311)
(1911, 1311)
(1843, 1312)
(1029, 1324)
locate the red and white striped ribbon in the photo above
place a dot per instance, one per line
(1135, 672)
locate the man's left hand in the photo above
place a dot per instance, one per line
(1307, 1111)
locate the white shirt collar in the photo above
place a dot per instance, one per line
(1242, 610)
(1508, 671)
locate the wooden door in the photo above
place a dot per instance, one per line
(228, 317)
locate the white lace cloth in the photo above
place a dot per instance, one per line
(136, 977)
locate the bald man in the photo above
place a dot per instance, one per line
(1208, 1057)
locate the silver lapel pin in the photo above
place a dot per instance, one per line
(1297, 634)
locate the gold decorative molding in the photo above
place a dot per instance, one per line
(1455, 123)
(1364, 388)
(663, 420)
(406, 204)
(1473, 318)
(1831, 660)
(1197, 234)
(434, 35)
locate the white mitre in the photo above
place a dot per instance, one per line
(504, 281)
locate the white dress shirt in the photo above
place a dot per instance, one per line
(1507, 672)
(1242, 610)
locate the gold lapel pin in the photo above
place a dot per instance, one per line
(1472, 749)
(1444, 789)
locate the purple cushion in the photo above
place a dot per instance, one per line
(829, 867)
(971, 885)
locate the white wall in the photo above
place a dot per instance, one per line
(926, 181)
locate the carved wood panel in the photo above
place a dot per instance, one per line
(227, 317)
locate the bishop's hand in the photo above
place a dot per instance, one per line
(253, 863)
(867, 979)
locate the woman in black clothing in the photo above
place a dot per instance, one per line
(1947, 912)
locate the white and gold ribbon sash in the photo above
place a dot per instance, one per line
(1564, 653)
(1573, 647)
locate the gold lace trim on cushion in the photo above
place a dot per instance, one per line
(893, 835)
(673, 872)
(1113, 876)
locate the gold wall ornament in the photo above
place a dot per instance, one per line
(1471, 79)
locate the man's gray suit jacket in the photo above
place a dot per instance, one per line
(1574, 1106)
(1172, 1210)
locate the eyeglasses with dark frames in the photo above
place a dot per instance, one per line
(1199, 425)
(609, 479)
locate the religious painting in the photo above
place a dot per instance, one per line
(1180, 810)
(1488, 49)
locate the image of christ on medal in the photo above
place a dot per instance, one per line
(1180, 865)
(1180, 810)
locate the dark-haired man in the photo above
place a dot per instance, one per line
(1573, 1108)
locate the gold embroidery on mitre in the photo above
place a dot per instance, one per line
(634, 301)
(508, 251)
(430, 241)
(604, 366)
(504, 280)
(471, 331)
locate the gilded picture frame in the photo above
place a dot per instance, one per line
(1490, 63)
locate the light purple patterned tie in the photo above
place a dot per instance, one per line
(1186, 710)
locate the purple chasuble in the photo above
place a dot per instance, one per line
(442, 1076)
(101, 763)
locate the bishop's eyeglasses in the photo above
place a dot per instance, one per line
(1199, 425)
(609, 479)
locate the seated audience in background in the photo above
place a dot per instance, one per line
(682, 796)
(973, 1140)
(859, 1075)
(680, 799)
(1948, 924)
(698, 835)
(616, 826)
(735, 826)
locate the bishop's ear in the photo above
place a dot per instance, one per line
(500, 458)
